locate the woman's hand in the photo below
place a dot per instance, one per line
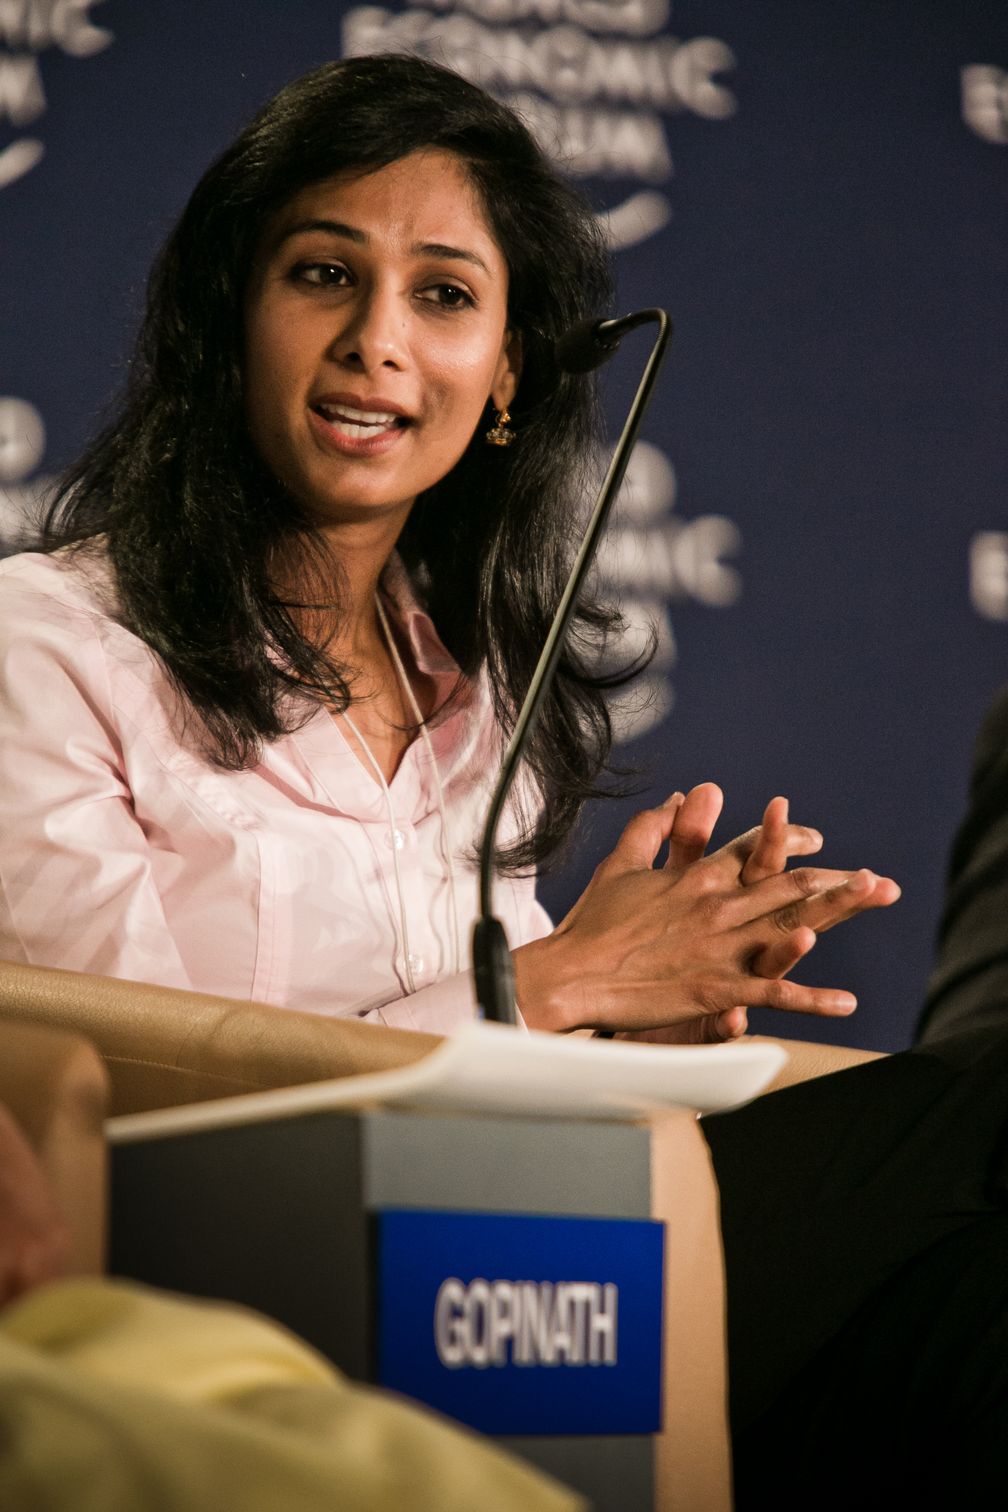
(775, 841)
(648, 949)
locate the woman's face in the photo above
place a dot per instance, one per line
(375, 333)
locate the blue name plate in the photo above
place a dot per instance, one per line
(517, 1324)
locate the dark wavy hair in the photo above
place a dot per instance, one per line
(194, 524)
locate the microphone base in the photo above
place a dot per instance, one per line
(495, 988)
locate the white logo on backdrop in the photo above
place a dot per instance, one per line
(593, 79)
(22, 447)
(988, 574)
(650, 556)
(28, 28)
(985, 101)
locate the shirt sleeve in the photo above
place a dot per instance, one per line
(76, 887)
(448, 1005)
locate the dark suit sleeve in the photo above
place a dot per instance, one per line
(969, 985)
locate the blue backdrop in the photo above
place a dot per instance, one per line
(818, 519)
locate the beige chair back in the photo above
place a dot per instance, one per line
(164, 1048)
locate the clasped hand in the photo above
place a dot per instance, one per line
(677, 952)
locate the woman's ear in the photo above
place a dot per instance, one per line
(509, 366)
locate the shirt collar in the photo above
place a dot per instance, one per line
(430, 654)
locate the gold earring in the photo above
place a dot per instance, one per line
(499, 433)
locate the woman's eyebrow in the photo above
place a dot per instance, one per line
(330, 227)
(355, 234)
(438, 249)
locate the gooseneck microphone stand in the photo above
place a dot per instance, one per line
(583, 348)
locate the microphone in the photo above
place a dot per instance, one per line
(592, 342)
(579, 350)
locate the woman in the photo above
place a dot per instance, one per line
(249, 714)
(260, 770)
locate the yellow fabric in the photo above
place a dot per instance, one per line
(114, 1398)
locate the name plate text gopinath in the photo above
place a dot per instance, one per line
(521, 1324)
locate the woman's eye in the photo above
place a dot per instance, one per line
(448, 295)
(323, 275)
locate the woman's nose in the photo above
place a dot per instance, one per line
(374, 334)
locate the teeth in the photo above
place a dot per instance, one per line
(356, 416)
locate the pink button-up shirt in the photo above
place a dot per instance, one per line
(125, 852)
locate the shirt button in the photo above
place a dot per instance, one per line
(396, 839)
(415, 962)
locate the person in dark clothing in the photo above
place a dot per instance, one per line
(867, 1270)
(969, 984)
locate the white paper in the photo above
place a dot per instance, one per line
(487, 1068)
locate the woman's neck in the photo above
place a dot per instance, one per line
(337, 610)
(344, 620)
(362, 552)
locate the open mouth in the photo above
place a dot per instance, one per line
(359, 424)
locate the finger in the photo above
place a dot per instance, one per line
(769, 855)
(711, 1028)
(731, 1024)
(793, 997)
(793, 898)
(694, 824)
(782, 956)
(776, 840)
(861, 891)
(702, 1029)
(732, 860)
(644, 836)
